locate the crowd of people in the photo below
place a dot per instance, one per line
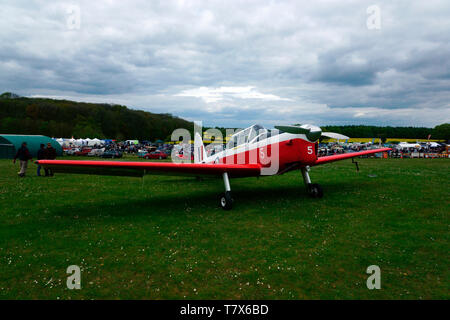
(122, 147)
(400, 150)
(143, 145)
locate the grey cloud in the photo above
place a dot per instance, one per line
(319, 56)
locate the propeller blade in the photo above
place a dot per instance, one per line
(293, 129)
(333, 135)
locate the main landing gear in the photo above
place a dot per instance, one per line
(226, 201)
(314, 189)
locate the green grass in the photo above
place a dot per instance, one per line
(166, 237)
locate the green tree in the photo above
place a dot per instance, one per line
(442, 131)
(383, 137)
(85, 129)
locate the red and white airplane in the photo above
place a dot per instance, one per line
(252, 152)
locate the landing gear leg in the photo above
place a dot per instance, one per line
(314, 189)
(226, 201)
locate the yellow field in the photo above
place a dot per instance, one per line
(377, 140)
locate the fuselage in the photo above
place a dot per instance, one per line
(277, 154)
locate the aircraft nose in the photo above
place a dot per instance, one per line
(314, 132)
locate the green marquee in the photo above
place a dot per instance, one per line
(9, 143)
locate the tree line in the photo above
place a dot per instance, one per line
(64, 118)
(360, 131)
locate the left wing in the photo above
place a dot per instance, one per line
(139, 169)
(337, 157)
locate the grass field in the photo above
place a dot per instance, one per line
(166, 237)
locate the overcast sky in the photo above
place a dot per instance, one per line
(235, 63)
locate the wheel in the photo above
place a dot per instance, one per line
(226, 201)
(315, 190)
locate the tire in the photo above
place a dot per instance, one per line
(226, 201)
(315, 190)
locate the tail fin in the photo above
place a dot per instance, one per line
(199, 149)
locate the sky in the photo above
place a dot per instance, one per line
(236, 63)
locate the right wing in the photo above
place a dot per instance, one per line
(139, 169)
(337, 157)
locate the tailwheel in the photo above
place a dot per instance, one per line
(226, 201)
(315, 190)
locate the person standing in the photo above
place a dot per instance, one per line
(50, 154)
(24, 155)
(40, 156)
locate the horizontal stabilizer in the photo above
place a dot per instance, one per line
(199, 149)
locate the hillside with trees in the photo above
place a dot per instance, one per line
(64, 118)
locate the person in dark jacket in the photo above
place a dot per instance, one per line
(24, 155)
(40, 156)
(50, 154)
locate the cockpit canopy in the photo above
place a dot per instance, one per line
(248, 135)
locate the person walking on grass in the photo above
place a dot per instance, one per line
(40, 156)
(24, 155)
(50, 154)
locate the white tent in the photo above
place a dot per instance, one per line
(96, 141)
(70, 142)
(434, 144)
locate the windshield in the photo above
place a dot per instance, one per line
(245, 136)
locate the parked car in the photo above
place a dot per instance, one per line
(156, 155)
(142, 153)
(96, 152)
(111, 154)
(71, 152)
(83, 152)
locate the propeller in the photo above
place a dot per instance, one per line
(313, 133)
